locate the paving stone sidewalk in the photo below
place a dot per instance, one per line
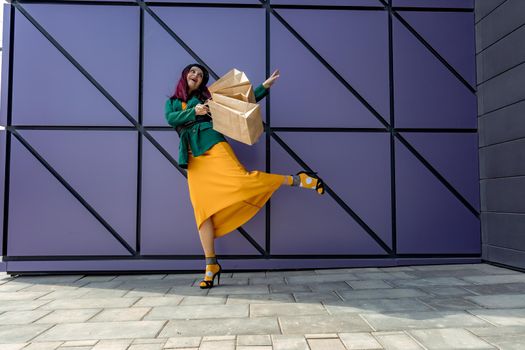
(472, 306)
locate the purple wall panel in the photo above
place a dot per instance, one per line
(361, 178)
(435, 3)
(429, 218)
(455, 156)
(116, 64)
(168, 225)
(451, 34)
(237, 34)
(100, 165)
(427, 95)
(45, 218)
(361, 60)
(305, 223)
(60, 93)
(167, 214)
(164, 59)
(308, 94)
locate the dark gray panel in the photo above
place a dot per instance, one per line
(504, 230)
(503, 195)
(502, 125)
(505, 54)
(503, 90)
(499, 23)
(483, 7)
(506, 256)
(504, 159)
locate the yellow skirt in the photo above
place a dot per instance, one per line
(221, 188)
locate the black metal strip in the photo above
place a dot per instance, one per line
(74, 127)
(201, 4)
(433, 51)
(440, 177)
(393, 213)
(79, 2)
(241, 257)
(332, 194)
(330, 7)
(8, 134)
(139, 135)
(318, 129)
(439, 130)
(327, 66)
(267, 219)
(72, 191)
(73, 2)
(276, 128)
(432, 9)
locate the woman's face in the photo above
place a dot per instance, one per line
(194, 78)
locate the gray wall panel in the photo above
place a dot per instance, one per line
(500, 38)
(499, 23)
(502, 125)
(505, 256)
(505, 54)
(503, 90)
(503, 195)
(484, 7)
(502, 160)
(510, 229)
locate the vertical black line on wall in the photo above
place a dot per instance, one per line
(139, 134)
(268, 130)
(8, 132)
(392, 129)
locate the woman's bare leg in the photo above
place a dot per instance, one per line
(287, 180)
(207, 235)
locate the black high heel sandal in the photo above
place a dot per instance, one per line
(319, 187)
(209, 284)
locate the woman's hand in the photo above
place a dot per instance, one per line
(269, 82)
(201, 109)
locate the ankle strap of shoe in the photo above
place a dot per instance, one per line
(211, 261)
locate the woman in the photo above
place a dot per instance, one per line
(223, 194)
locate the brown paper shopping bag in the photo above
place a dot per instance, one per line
(233, 108)
(236, 119)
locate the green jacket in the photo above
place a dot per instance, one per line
(200, 137)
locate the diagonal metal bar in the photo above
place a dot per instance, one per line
(429, 47)
(334, 195)
(106, 94)
(440, 177)
(250, 239)
(71, 189)
(327, 65)
(176, 37)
